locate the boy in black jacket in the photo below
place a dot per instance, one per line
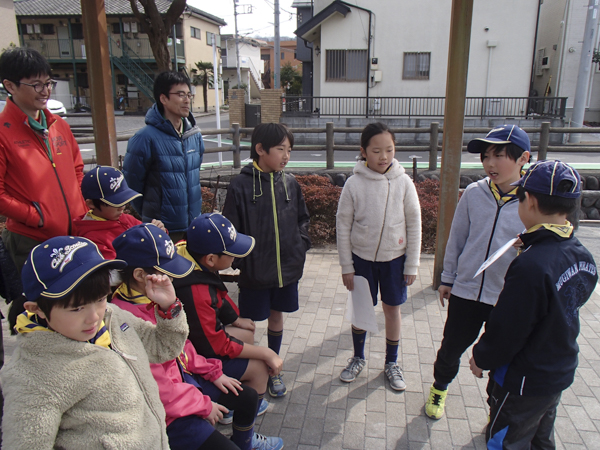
(530, 339)
(267, 204)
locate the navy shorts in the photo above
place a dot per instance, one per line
(233, 368)
(386, 277)
(188, 432)
(256, 304)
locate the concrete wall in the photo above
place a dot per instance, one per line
(8, 24)
(270, 109)
(237, 109)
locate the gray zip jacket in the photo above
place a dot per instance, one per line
(479, 228)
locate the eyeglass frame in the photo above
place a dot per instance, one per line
(182, 95)
(50, 85)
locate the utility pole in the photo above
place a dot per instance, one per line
(216, 85)
(237, 46)
(277, 65)
(585, 65)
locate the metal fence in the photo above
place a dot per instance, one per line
(514, 107)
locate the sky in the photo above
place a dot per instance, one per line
(259, 23)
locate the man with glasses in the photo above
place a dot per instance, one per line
(163, 159)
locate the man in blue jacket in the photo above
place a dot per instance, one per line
(163, 159)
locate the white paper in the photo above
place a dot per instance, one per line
(359, 309)
(497, 254)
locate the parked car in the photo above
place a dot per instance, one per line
(54, 106)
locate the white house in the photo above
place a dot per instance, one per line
(408, 49)
(251, 65)
(558, 52)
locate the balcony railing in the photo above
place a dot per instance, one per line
(61, 48)
(551, 107)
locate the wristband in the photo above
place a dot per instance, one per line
(173, 311)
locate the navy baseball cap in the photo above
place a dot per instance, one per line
(214, 233)
(543, 177)
(146, 245)
(57, 266)
(506, 134)
(107, 184)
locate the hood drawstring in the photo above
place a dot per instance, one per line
(287, 197)
(254, 196)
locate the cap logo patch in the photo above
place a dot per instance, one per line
(63, 256)
(169, 248)
(232, 233)
(115, 183)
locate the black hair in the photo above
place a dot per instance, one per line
(19, 63)
(92, 288)
(98, 203)
(552, 204)
(163, 84)
(373, 129)
(513, 151)
(269, 135)
(198, 256)
(127, 274)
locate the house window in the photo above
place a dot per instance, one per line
(116, 27)
(416, 66)
(282, 55)
(209, 39)
(346, 65)
(77, 31)
(47, 28)
(265, 56)
(195, 32)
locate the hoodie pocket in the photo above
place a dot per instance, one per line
(397, 235)
(359, 235)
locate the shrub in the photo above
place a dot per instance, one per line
(207, 200)
(321, 199)
(429, 194)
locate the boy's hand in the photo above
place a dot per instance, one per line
(444, 293)
(159, 224)
(160, 290)
(227, 384)
(216, 413)
(348, 279)
(274, 362)
(244, 324)
(476, 370)
(409, 279)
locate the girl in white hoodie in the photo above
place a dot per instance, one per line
(379, 238)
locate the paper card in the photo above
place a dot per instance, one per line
(359, 309)
(497, 254)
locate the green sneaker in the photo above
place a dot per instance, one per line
(434, 407)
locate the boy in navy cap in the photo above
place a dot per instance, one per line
(530, 339)
(106, 193)
(485, 219)
(80, 374)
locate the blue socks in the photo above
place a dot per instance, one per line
(391, 351)
(274, 339)
(242, 436)
(358, 339)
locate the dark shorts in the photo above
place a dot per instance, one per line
(188, 432)
(256, 304)
(386, 277)
(233, 368)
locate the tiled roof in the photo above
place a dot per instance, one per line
(73, 8)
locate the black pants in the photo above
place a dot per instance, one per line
(518, 422)
(464, 322)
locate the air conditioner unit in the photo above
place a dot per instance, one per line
(134, 28)
(546, 62)
(126, 27)
(29, 28)
(37, 28)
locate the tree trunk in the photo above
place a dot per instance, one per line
(160, 50)
(205, 91)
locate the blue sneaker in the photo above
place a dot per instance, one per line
(228, 418)
(276, 386)
(260, 442)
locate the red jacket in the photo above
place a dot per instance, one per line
(103, 232)
(180, 399)
(29, 180)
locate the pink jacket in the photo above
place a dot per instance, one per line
(179, 399)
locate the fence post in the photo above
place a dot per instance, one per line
(329, 144)
(434, 132)
(544, 140)
(237, 162)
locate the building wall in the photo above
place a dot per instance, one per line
(8, 24)
(405, 26)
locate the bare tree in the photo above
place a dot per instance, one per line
(158, 27)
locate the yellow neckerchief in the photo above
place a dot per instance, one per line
(131, 295)
(93, 216)
(28, 322)
(502, 198)
(562, 230)
(181, 248)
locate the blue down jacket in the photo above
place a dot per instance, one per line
(165, 168)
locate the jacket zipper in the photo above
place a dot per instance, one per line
(387, 199)
(275, 221)
(62, 191)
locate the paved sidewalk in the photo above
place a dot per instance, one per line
(321, 412)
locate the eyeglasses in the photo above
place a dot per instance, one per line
(39, 87)
(182, 95)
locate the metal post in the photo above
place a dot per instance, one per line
(96, 45)
(329, 145)
(237, 162)
(544, 140)
(415, 169)
(175, 47)
(216, 86)
(237, 46)
(277, 65)
(434, 133)
(75, 83)
(454, 118)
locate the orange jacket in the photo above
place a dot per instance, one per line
(31, 186)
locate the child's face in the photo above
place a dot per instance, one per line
(380, 152)
(223, 262)
(501, 169)
(107, 212)
(276, 159)
(81, 323)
